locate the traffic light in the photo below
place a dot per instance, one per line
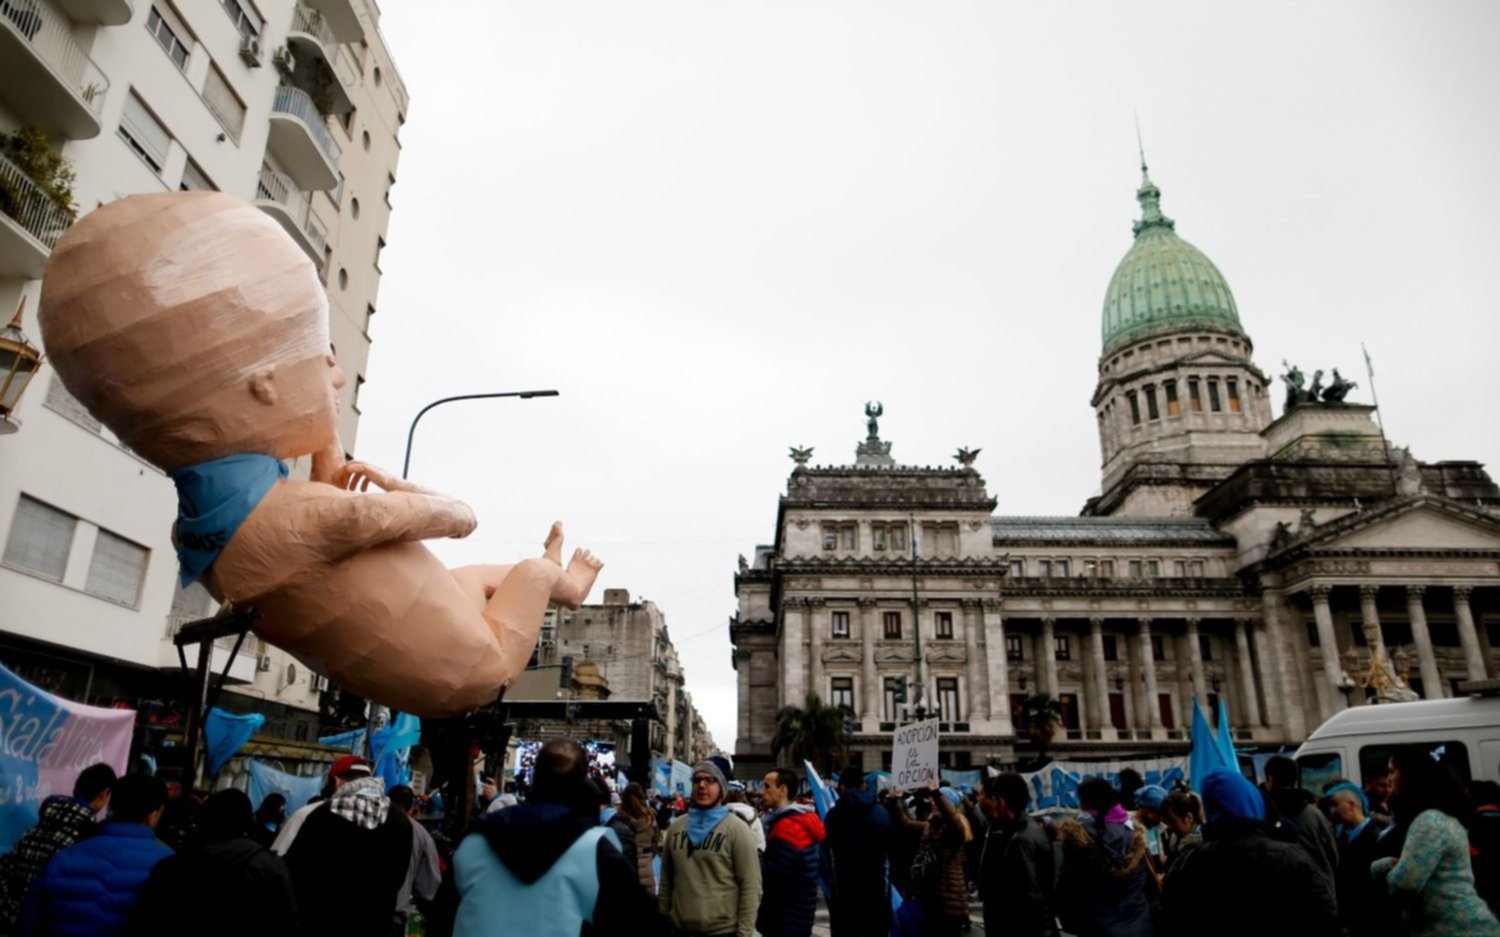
(565, 676)
(899, 694)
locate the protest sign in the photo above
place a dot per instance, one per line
(914, 755)
(1057, 784)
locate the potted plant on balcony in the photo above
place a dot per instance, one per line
(28, 150)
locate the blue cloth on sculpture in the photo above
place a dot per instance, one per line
(226, 734)
(213, 500)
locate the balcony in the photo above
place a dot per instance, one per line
(301, 141)
(342, 18)
(30, 223)
(45, 76)
(277, 196)
(314, 53)
(103, 12)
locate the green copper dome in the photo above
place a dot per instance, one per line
(1164, 284)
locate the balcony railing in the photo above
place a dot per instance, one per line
(299, 104)
(50, 34)
(275, 187)
(34, 210)
(311, 22)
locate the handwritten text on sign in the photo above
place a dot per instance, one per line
(914, 759)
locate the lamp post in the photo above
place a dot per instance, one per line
(523, 394)
(19, 362)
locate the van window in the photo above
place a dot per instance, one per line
(1375, 760)
(1317, 770)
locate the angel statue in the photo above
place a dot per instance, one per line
(966, 457)
(801, 455)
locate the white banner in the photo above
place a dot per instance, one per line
(914, 755)
(1057, 784)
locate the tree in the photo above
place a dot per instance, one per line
(1039, 717)
(814, 732)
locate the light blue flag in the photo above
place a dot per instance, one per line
(1208, 752)
(297, 790)
(823, 801)
(1226, 738)
(226, 733)
(392, 746)
(352, 741)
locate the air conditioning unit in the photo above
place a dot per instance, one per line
(250, 51)
(284, 60)
(263, 663)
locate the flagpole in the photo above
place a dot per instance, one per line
(1379, 419)
(916, 625)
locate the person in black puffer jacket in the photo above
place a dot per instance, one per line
(1243, 881)
(61, 822)
(1101, 888)
(860, 835)
(789, 866)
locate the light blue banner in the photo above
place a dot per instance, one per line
(1057, 784)
(297, 790)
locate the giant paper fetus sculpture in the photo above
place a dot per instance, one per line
(193, 327)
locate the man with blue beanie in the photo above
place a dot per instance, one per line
(1243, 880)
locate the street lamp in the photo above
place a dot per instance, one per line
(19, 361)
(523, 394)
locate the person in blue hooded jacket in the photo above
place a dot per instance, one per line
(91, 888)
(546, 867)
(1244, 880)
(860, 833)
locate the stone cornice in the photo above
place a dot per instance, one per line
(868, 566)
(1146, 588)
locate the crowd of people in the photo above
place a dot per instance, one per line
(1414, 852)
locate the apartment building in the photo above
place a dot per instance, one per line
(295, 106)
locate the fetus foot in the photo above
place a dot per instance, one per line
(579, 578)
(552, 549)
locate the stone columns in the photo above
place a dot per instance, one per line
(1195, 662)
(794, 666)
(868, 675)
(1148, 672)
(996, 669)
(1047, 659)
(1432, 680)
(973, 670)
(1247, 672)
(1467, 636)
(1333, 672)
(817, 618)
(1099, 692)
(673, 685)
(1369, 614)
(742, 733)
(1281, 709)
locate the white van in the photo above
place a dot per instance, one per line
(1357, 742)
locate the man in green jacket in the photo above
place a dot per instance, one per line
(710, 871)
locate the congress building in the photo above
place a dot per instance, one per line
(1289, 566)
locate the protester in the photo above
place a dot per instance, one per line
(1182, 821)
(425, 873)
(1130, 782)
(62, 821)
(1484, 842)
(353, 844)
(293, 824)
(1147, 816)
(644, 839)
(269, 817)
(223, 869)
(1101, 887)
(90, 888)
(937, 876)
(710, 873)
(1016, 868)
(860, 834)
(1242, 880)
(1378, 792)
(789, 868)
(739, 805)
(546, 866)
(1432, 880)
(1301, 808)
(1364, 906)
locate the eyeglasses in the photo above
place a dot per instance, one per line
(697, 781)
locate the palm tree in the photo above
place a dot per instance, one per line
(1039, 717)
(814, 732)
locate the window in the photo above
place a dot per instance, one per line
(1320, 769)
(1062, 647)
(830, 538)
(245, 19)
(390, 183)
(377, 76)
(947, 688)
(190, 602)
(1168, 721)
(1174, 408)
(1205, 647)
(1195, 402)
(1153, 568)
(892, 710)
(1179, 569)
(877, 537)
(944, 624)
(1135, 569)
(354, 208)
(359, 385)
(1017, 568)
(1117, 710)
(1106, 569)
(1195, 569)
(143, 133)
(1062, 569)
(1111, 647)
(40, 538)
(841, 624)
(1232, 391)
(897, 534)
(1158, 647)
(365, 139)
(1135, 408)
(893, 625)
(1044, 568)
(1151, 412)
(64, 403)
(116, 569)
(1375, 760)
(379, 246)
(223, 103)
(842, 692)
(343, 279)
(162, 23)
(1014, 647)
(1213, 395)
(193, 179)
(1091, 568)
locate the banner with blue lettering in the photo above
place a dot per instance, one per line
(682, 778)
(1057, 784)
(297, 790)
(45, 741)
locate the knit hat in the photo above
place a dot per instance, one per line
(1152, 796)
(708, 767)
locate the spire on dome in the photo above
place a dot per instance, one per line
(1148, 194)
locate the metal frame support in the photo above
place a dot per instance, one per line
(204, 690)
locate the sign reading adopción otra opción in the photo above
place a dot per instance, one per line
(914, 757)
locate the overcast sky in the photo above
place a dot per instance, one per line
(718, 228)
